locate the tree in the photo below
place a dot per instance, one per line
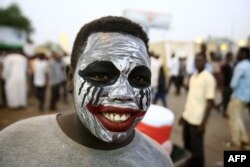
(12, 16)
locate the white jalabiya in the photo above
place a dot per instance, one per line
(15, 75)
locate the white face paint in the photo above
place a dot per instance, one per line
(112, 85)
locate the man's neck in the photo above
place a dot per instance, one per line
(73, 128)
(199, 70)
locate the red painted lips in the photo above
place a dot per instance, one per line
(115, 119)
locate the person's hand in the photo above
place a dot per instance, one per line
(181, 121)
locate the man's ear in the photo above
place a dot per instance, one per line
(70, 79)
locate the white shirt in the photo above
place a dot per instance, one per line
(40, 72)
(155, 68)
(201, 88)
(174, 66)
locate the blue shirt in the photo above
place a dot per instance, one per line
(240, 82)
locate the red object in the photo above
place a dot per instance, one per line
(160, 134)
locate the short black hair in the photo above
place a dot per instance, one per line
(106, 24)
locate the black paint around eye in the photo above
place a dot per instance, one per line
(100, 73)
(140, 77)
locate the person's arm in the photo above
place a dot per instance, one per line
(209, 94)
(238, 72)
(208, 108)
(181, 119)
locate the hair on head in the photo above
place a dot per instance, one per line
(105, 24)
(246, 52)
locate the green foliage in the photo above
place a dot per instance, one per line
(12, 16)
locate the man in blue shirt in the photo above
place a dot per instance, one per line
(240, 85)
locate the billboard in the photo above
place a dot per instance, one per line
(149, 19)
(12, 36)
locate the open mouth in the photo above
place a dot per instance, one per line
(116, 119)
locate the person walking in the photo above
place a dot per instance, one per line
(161, 89)
(15, 68)
(41, 79)
(56, 77)
(226, 91)
(174, 66)
(155, 68)
(240, 98)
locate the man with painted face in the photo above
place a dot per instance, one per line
(109, 77)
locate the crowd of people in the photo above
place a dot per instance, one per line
(210, 73)
(111, 94)
(37, 76)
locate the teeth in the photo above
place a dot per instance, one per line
(116, 117)
(123, 117)
(111, 116)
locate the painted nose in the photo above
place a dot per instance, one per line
(122, 90)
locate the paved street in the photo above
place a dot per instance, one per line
(217, 131)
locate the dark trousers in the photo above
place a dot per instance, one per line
(2, 93)
(226, 93)
(40, 94)
(173, 80)
(180, 84)
(162, 96)
(55, 90)
(193, 141)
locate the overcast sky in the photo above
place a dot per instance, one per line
(190, 18)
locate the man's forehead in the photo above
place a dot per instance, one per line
(115, 46)
(114, 39)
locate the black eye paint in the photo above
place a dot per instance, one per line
(141, 98)
(93, 95)
(144, 93)
(85, 95)
(148, 96)
(100, 73)
(98, 95)
(80, 89)
(140, 77)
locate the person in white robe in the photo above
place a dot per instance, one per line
(15, 76)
